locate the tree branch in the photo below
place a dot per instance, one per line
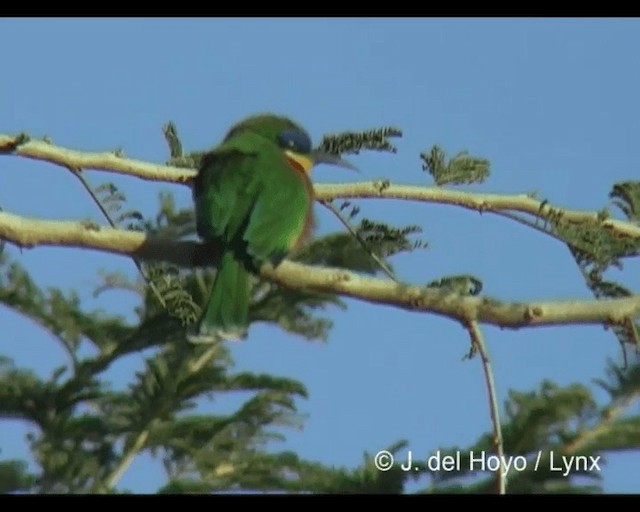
(477, 341)
(87, 187)
(383, 266)
(26, 232)
(141, 439)
(613, 414)
(20, 145)
(105, 161)
(127, 458)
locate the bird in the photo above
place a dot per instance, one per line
(253, 200)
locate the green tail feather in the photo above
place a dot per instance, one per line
(227, 311)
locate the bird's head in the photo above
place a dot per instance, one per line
(291, 138)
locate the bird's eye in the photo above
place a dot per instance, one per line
(295, 140)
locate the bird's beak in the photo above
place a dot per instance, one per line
(331, 159)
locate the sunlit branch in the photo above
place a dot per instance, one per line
(28, 232)
(477, 341)
(111, 162)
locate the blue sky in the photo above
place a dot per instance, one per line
(552, 103)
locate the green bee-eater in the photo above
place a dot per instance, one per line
(254, 200)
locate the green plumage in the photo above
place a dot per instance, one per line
(255, 206)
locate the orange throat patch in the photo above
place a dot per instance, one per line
(298, 162)
(295, 165)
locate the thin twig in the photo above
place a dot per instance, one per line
(199, 364)
(113, 477)
(385, 268)
(517, 217)
(612, 415)
(477, 341)
(78, 174)
(128, 457)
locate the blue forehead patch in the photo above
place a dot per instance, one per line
(295, 140)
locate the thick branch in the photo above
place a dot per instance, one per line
(105, 161)
(28, 232)
(108, 161)
(25, 232)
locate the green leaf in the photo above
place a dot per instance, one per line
(626, 196)
(459, 169)
(354, 142)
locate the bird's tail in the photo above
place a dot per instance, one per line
(226, 313)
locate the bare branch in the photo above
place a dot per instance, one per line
(477, 341)
(25, 232)
(491, 203)
(124, 463)
(109, 161)
(105, 161)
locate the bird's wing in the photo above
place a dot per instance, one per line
(279, 216)
(224, 192)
